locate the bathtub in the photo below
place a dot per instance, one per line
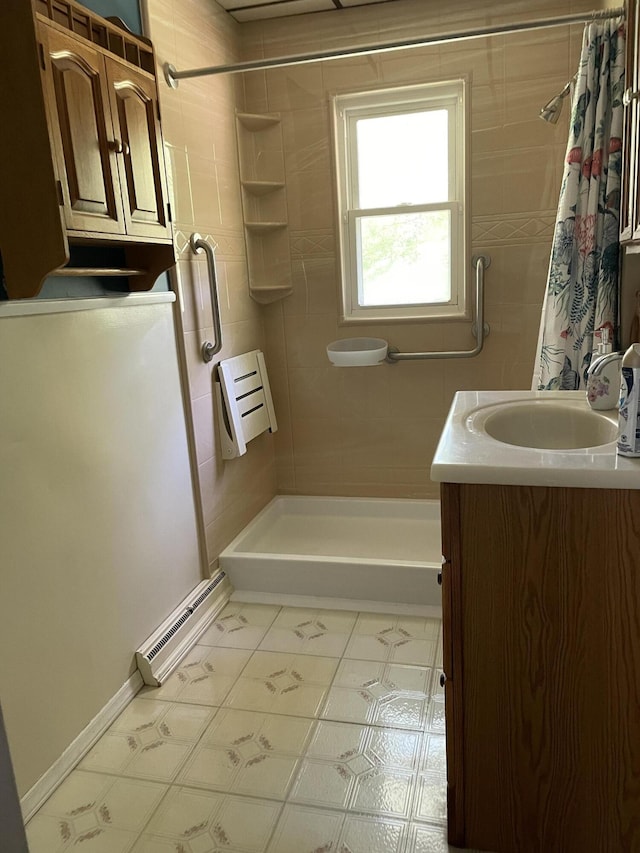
(357, 553)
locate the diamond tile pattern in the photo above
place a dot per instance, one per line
(285, 730)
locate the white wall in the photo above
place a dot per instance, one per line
(98, 537)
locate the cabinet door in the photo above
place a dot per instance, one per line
(134, 109)
(452, 659)
(82, 132)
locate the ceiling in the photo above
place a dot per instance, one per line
(254, 10)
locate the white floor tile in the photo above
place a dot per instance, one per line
(248, 753)
(311, 632)
(401, 639)
(150, 740)
(204, 822)
(379, 693)
(204, 677)
(303, 829)
(283, 684)
(104, 814)
(427, 839)
(363, 768)
(240, 626)
(431, 798)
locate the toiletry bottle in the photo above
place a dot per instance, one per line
(629, 412)
(603, 385)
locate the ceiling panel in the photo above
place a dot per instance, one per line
(254, 10)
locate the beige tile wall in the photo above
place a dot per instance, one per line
(199, 130)
(373, 431)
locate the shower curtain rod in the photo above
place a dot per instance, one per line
(172, 76)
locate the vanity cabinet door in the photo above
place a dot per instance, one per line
(451, 677)
(83, 143)
(134, 109)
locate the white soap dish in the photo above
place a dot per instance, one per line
(357, 352)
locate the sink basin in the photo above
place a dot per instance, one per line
(546, 424)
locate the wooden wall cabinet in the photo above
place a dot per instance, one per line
(541, 613)
(82, 104)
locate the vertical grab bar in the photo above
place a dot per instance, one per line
(481, 330)
(198, 244)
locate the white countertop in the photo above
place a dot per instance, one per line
(466, 454)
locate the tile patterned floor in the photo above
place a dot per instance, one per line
(285, 730)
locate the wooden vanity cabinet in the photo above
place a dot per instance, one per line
(541, 614)
(88, 113)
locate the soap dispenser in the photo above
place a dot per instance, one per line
(603, 377)
(629, 412)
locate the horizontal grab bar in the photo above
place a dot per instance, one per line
(198, 244)
(480, 262)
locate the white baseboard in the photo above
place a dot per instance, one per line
(61, 768)
(337, 603)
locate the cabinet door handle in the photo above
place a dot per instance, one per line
(116, 146)
(443, 679)
(629, 95)
(125, 149)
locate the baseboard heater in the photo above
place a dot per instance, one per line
(166, 647)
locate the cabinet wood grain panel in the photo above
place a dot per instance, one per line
(550, 621)
(452, 659)
(134, 105)
(82, 133)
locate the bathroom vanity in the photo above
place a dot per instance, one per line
(541, 612)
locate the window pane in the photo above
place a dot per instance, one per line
(403, 159)
(404, 259)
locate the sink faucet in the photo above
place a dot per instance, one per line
(603, 380)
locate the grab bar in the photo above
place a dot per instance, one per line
(480, 329)
(198, 244)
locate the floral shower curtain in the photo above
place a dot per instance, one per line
(582, 284)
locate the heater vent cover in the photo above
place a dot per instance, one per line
(166, 647)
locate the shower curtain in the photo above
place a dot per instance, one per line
(582, 285)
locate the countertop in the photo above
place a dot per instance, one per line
(466, 454)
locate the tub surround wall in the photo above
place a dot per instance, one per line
(199, 132)
(365, 431)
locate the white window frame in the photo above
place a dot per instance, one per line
(347, 108)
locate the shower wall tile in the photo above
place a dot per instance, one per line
(361, 72)
(481, 59)
(487, 105)
(307, 337)
(295, 88)
(202, 409)
(195, 304)
(314, 392)
(306, 138)
(315, 286)
(310, 200)
(524, 51)
(319, 242)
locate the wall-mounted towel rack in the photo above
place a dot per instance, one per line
(480, 328)
(198, 244)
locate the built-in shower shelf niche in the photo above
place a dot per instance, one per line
(260, 188)
(264, 205)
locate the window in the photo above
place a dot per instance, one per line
(400, 157)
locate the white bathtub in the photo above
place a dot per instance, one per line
(361, 553)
